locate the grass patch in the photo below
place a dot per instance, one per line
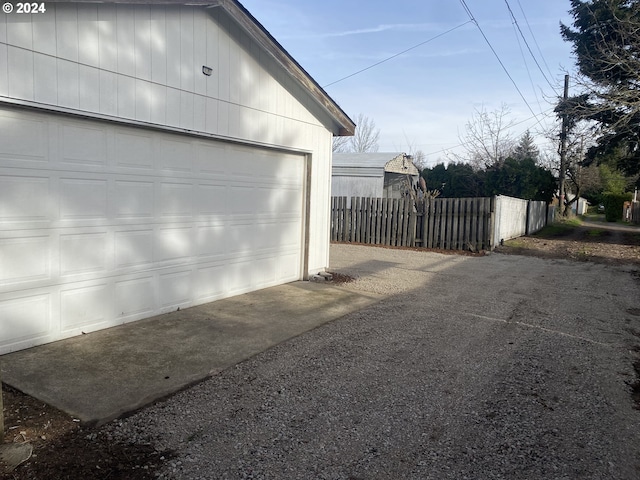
(595, 232)
(560, 228)
(571, 222)
(515, 243)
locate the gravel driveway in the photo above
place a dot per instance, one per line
(487, 367)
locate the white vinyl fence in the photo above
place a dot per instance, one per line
(515, 217)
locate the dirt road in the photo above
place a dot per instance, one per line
(595, 240)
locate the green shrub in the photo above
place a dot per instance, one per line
(614, 204)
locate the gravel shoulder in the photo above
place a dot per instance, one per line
(497, 366)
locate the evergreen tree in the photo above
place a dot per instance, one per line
(456, 180)
(606, 44)
(520, 179)
(526, 148)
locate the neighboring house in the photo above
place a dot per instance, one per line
(381, 175)
(580, 206)
(153, 156)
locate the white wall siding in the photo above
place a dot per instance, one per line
(357, 186)
(89, 48)
(4, 68)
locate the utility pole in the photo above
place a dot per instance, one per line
(563, 149)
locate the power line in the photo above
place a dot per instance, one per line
(397, 54)
(466, 7)
(515, 21)
(526, 65)
(534, 39)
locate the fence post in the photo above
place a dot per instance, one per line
(455, 238)
(354, 218)
(492, 220)
(413, 222)
(378, 220)
(337, 216)
(333, 219)
(437, 223)
(345, 220)
(408, 210)
(465, 213)
(431, 226)
(448, 218)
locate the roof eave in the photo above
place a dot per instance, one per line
(255, 29)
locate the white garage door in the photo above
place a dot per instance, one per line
(102, 224)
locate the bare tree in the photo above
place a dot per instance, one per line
(340, 144)
(419, 159)
(577, 176)
(364, 140)
(487, 140)
(366, 136)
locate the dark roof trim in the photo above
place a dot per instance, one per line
(255, 29)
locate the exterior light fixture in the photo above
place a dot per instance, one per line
(207, 70)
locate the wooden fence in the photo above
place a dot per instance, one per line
(444, 223)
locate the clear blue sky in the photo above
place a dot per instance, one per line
(423, 99)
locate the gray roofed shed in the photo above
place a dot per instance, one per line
(381, 175)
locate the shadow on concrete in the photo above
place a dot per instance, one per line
(102, 375)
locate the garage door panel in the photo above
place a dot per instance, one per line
(211, 240)
(244, 165)
(286, 201)
(268, 268)
(288, 267)
(83, 147)
(133, 248)
(83, 199)
(172, 243)
(241, 277)
(210, 283)
(24, 140)
(242, 200)
(246, 238)
(134, 152)
(175, 289)
(176, 156)
(208, 164)
(275, 236)
(26, 198)
(133, 199)
(25, 317)
(83, 307)
(175, 199)
(83, 253)
(116, 224)
(25, 259)
(285, 169)
(211, 200)
(288, 234)
(135, 299)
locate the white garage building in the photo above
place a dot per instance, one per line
(152, 157)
